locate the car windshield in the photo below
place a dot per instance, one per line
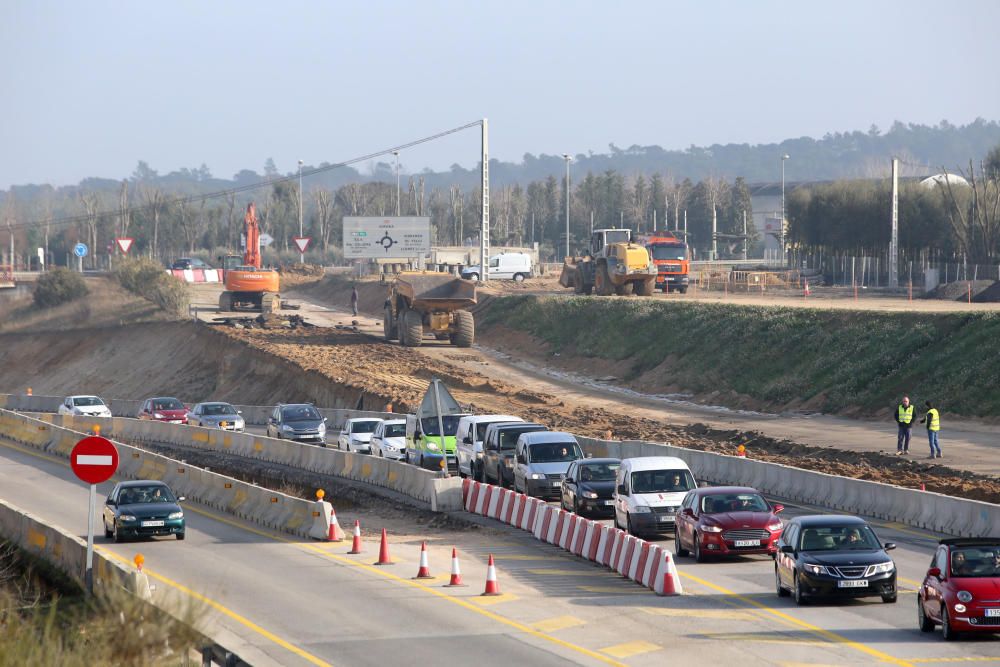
(662, 481)
(977, 561)
(508, 437)
(395, 431)
(838, 538)
(734, 502)
(299, 413)
(167, 404)
(555, 452)
(669, 251)
(211, 409)
(481, 429)
(366, 426)
(134, 495)
(84, 401)
(430, 425)
(598, 472)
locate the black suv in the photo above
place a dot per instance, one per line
(499, 443)
(297, 421)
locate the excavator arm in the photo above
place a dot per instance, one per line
(251, 230)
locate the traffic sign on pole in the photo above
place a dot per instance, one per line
(266, 239)
(124, 244)
(94, 460)
(80, 250)
(302, 242)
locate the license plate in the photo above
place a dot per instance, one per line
(665, 519)
(747, 543)
(608, 502)
(993, 612)
(853, 583)
(151, 524)
(176, 421)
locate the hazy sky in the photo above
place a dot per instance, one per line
(90, 88)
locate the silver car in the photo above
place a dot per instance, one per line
(216, 415)
(541, 461)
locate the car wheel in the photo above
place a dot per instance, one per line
(699, 555)
(107, 533)
(923, 621)
(679, 550)
(889, 599)
(628, 525)
(116, 535)
(518, 277)
(180, 536)
(406, 457)
(800, 598)
(778, 588)
(947, 632)
(576, 505)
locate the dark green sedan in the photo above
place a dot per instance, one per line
(143, 508)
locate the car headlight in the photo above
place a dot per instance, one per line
(589, 494)
(960, 608)
(776, 526)
(433, 446)
(157, 415)
(641, 509)
(322, 427)
(964, 596)
(536, 475)
(711, 529)
(815, 569)
(126, 517)
(882, 568)
(176, 515)
(286, 427)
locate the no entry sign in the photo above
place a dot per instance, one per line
(94, 459)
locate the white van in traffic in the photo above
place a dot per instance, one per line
(648, 493)
(469, 441)
(507, 266)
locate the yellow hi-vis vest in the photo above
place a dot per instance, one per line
(933, 420)
(905, 414)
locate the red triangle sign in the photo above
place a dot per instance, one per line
(302, 242)
(124, 244)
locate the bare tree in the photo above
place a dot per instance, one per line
(716, 189)
(155, 202)
(975, 215)
(123, 212)
(324, 215)
(91, 205)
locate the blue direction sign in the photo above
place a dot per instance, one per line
(80, 250)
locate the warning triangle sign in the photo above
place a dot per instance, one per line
(428, 406)
(124, 244)
(302, 242)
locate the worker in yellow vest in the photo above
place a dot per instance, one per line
(933, 420)
(904, 420)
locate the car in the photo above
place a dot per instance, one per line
(469, 444)
(300, 422)
(423, 442)
(541, 461)
(163, 409)
(648, 493)
(959, 591)
(833, 556)
(726, 521)
(90, 406)
(189, 263)
(589, 486)
(216, 415)
(356, 435)
(499, 444)
(389, 439)
(142, 508)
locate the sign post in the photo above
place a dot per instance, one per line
(94, 460)
(80, 250)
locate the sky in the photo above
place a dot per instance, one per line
(91, 88)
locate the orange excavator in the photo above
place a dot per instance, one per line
(248, 285)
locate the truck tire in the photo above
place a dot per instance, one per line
(412, 332)
(646, 287)
(683, 289)
(602, 281)
(390, 328)
(625, 289)
(465, 326)
(226, 302)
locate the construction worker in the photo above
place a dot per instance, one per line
(904, 421)
(354, 300)
(933, 420)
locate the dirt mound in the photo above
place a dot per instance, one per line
(959, 291)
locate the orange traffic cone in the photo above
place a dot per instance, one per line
(383, 551)
(492, 587)
(456, 574)
(806, 291)
(356, 545)
(336, 532)
(424, 572)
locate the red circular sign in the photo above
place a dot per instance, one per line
(94, 459)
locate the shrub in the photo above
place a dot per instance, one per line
(146, 278)
(58, 286)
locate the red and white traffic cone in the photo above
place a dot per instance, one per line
(356, 544)
(336, 532)
(806, 291)
(492, 587)
(383, 551)
(922, 487)
(671, 580)
(456, 574)
(424, 572)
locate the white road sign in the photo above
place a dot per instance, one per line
(370, 237)
(266, 240)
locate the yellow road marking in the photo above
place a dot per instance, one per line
(628, 649)
(818, 631)
(717, 614)
(747, 637)
(971, 658)
(527, 557)
(557, 623)
(490, 600)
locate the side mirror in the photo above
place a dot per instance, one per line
(787, 549)
(110, 502)
(622, 491)
(590, 456)
(889, 546)
(687, 511)
(181, 499)
(239, 412)
(324, 420)
(778, 507)
(934, 572)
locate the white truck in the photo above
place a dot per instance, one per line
(514, 266)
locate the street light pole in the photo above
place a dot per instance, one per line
(302, 255)
(396, 153)
(567, 157)
(783, 158)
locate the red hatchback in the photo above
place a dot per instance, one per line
(961, 591)
(726, 521)
(163, 409)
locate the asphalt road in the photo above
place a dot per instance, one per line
(279, 600)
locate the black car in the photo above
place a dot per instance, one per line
(833, 556)
(142, 508)
(498, 450)
(189, 263)
(589, 485)
(299, 421)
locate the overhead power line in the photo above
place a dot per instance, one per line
(69, 220)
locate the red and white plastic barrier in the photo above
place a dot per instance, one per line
(198, 275)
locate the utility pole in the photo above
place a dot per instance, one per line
(746, 239)
(567, 157)
(894, 241)
(783, 158)
(591, 222)
(302, 255)
(685, 225)
(715, 234)
(396, 153)
(654, 220)
(484, 233)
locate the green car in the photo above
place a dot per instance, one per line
(423, 442)
(143, 508)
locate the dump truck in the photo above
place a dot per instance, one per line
(670, 255)
(613, 265)
(422, 302)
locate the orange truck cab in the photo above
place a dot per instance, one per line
(670, 255)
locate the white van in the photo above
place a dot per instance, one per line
(648, 493)
(469, 441)
(514, 266)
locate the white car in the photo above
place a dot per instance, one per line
(91, 406)
(389, 439)
(356, 436)
(469, 441)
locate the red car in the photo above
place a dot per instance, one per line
(164, 409)
(726, 521)
(961, 591)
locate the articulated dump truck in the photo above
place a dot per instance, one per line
(614, 265)
(422, 302)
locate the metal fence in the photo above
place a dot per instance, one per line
(922, 272)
